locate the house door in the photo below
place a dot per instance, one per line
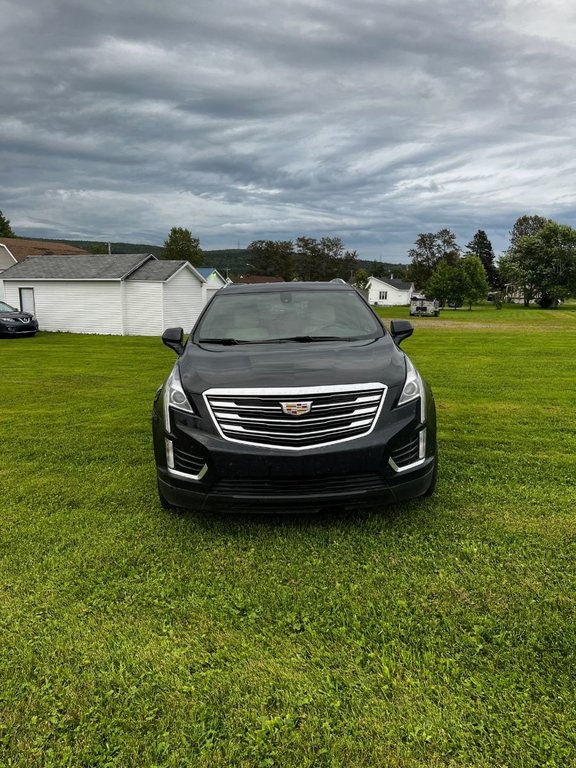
(27, 300)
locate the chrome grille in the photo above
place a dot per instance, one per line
(257, 416)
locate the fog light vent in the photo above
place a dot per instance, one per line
(409, 455)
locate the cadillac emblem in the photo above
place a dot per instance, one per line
(296, 409)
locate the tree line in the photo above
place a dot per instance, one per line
(305, 258)
(539, 264)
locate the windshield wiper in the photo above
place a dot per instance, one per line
(225, 341)
(306, 339)
(228, 341)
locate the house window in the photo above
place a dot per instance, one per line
(383, 296)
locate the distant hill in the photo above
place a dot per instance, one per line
(100, 247)
(231, 261)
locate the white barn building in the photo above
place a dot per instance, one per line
(214, 281)
(121, 294)
(388, 292)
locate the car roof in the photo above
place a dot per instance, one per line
(283, 287)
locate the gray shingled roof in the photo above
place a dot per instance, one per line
(156, 271)
(102, 267)
(401, 285)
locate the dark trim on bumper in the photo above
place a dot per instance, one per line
(180, 494)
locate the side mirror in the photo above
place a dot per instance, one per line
(400, 330)
(174, 338)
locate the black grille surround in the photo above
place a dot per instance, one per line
(296, 418)
(298, 487)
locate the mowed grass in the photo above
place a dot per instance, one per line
(434, 633)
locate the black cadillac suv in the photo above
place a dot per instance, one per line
(292, 397)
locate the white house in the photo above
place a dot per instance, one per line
(214, 281)
(123, 294)
(387, 292)
(6, 261)
(15, 249)
(6, 258)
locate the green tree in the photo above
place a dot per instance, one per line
(273, 257)
(543, 265)
(481, 246)
(180, 245)
(361, 279)
(98, 249)
(448, 284)
(513, 273)
(476, 281)
(429, 249)
(526, 226)
(384, 269)
(348, 265)
(324, 259)
(5, 228)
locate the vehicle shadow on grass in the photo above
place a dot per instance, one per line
(393, 514)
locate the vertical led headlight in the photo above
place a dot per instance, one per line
(413, 388)
(175, 397)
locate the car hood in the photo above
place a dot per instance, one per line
(288, 365)
(17, 315)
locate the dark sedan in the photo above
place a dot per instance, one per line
(288, 397)
(16, 323)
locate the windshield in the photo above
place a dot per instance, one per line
(287, 316)
(7, 308)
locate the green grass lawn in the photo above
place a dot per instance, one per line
(434, 633)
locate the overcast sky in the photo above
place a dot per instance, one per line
(243, 119)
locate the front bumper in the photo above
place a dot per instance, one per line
(267, 497)
(223, 476)
(20, 329)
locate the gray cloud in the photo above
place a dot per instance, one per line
(244, 120)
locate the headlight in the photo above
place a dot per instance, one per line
(413, 388)
(8, 320)
(175, 397)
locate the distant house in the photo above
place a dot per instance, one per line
(124, 294)
(516, 294)
(214, 281)
(387, 292)
(6, 259)
(19, 248)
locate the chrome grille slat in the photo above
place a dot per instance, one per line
(238, 428)
(225, 417)
(256, 417)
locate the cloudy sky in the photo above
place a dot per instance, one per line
(245, 119)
